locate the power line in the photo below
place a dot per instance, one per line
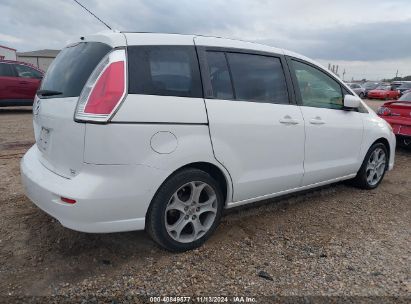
(93, 14)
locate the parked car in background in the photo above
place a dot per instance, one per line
(18, 83)
(404, 87)
(383, 92)
(396, 84)
(163, 131)
(398, 114)
(358, 89)
(370, 85)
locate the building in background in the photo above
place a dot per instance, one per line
(7, 53)
(41, 59)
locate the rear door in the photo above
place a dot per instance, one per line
(333, 135)
(256, 131)
(59, 138)
(28, 80)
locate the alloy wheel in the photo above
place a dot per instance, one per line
(191, 211)
(376, 166)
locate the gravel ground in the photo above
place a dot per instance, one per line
(337, 241)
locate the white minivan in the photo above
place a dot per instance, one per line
(163, 131)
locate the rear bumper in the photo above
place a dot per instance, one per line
(109, 198)
(400, 126)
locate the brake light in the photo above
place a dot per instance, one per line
(384, 111)
(104, 90)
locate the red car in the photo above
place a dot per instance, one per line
(18, 83)
(384, 92)
(398, 114)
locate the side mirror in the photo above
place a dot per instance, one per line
(352, 102)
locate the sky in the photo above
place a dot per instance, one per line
(367, 38)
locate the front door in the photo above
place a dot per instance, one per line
(333, 134)
(28, 80)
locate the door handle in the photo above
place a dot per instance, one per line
(24, 82)
(317, 121)
(287, 120)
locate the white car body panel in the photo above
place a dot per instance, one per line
(158, 39)
(63, 151)
(332, 143)
(145, 108)
(260, 159)
(108, 197)
(113, 170)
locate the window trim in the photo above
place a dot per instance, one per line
(207, 87)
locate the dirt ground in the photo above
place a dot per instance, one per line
(337, 241)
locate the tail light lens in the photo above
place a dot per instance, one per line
(383, 111)
(104, 90)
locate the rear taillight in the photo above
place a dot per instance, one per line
(104, 90)
(67, 200)
(384, 111)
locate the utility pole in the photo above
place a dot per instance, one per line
(396, 74)
(343, 74)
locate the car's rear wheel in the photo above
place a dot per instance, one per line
(185, 211)
(373, 168)
(361, 95)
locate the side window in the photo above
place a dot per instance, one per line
(219, 75)
(27, 72)
(317, 89)
(6, 70)
(258, 78)
(164, 70)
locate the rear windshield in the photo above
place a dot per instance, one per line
(72, 67)
(384, 88)
(370, 85)
(406, 97)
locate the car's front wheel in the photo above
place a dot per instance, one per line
(185, 211)
(361, 95)
(373, 167)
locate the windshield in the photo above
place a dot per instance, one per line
(371, 85)
(405, 86)
(385, 88)
(406, 97)
(72, 67)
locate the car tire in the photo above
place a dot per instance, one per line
(361, 95)
(372, 170)
(185, 211)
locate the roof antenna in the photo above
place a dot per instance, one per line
(93, 14)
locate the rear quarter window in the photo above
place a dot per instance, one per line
(72, 67)
(6, 70)
(164, 70)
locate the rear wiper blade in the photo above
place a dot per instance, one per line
(48, 93)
